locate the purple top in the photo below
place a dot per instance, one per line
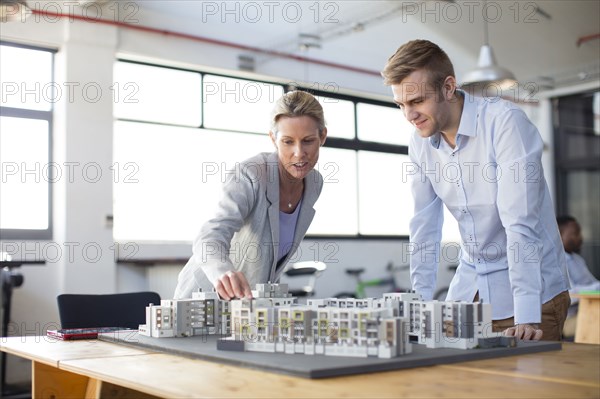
(287, 227)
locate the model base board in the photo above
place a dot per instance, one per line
(317, 366)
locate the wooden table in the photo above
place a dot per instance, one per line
(91, 369)
(587, 330)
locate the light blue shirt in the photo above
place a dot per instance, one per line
(580, 277)
(493, 184)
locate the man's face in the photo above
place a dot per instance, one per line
(571, 237)
(423, 106)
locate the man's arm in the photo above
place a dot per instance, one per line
(425, 227)
(521, 189)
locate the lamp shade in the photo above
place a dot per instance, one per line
(488, 72)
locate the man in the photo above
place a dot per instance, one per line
(580, 277)
(482, 159)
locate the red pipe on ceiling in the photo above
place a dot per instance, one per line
(208, 40)
(587, 38)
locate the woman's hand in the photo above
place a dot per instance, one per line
(233, 285)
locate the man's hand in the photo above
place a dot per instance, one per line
(233, 285)
(525, 332)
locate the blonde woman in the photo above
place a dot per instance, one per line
(266, 207)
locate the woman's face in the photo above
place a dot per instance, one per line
(297, 141)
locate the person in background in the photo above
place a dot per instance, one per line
(580, 277)
(266, 207)
(481, 157)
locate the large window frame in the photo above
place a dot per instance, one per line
(47, 116)
(577, 133)
(356, 145)
(352, 144)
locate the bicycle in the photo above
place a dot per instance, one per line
(360, 291)
(378, 282)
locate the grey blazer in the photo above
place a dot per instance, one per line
(243, 234)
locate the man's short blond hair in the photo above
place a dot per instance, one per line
(418, 55)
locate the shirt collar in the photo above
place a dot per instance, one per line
(435, 140)
(468, 121)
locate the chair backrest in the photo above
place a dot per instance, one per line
(109, 310)
(312, 269)
(305, 268)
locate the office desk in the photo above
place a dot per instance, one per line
(93, 368)
(587, 330)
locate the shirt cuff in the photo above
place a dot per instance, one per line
(528, 309)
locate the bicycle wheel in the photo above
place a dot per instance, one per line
(345, 295)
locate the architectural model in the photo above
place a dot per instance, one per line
(273, 321)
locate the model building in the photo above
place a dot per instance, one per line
(273, 321)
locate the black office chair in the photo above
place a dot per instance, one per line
(109, 310)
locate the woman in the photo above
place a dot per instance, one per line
(266, 208)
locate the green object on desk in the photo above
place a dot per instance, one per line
(594, 292)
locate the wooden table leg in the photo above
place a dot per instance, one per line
(52, 383)
(588, 321)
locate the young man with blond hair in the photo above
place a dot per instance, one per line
(480, 157)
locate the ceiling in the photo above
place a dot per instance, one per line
(536, 40)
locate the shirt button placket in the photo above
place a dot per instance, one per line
(467, 222)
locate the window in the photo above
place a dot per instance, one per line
(382, 124)
(339, 117)
(237, 104)
(27, 171)
(338, 167)
(173, 155)
(577, 155)
(384, 199)
(171, 183)
(160, 95)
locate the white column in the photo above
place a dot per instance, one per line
(83, 139)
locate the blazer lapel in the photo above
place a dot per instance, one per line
(307, 212)
(273, 211)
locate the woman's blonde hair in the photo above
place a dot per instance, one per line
(297, 103)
